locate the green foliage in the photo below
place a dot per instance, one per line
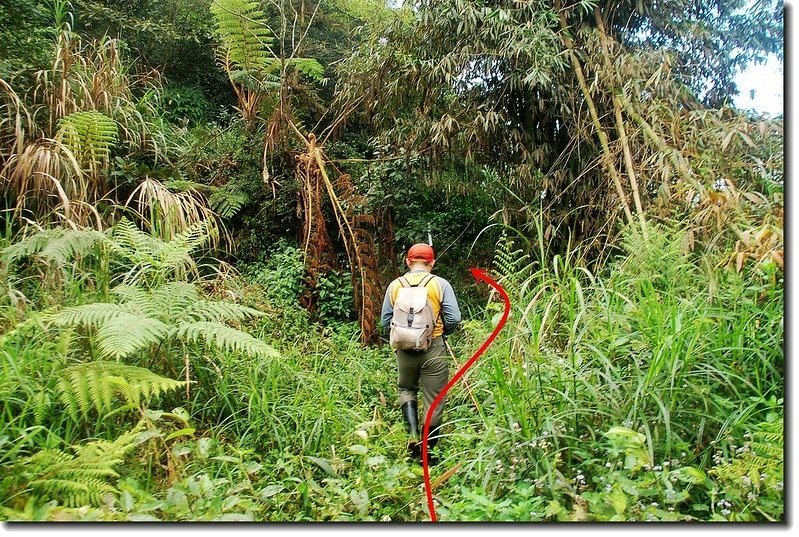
(751, 481)
(90, 135)
(57, 246)
(72, 479)
(228, 200)
(511, 263)
(335, 293)
(282, 276)
(643, 383)
(153, 260)
(143, 319)
(95, 385)
(243, 29)
(185, 105)
(24, 37)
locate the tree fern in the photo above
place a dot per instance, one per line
(89, 315)
(136, 299)
(173, 299)
(213, 310)
(58, 246)
(241, 27)
(173, 310)
(309, 67)
(126, 334)
(228, 200)
(78, 479)
(97, 385)
(225, 338)
(511, 263)
(90, 136)
(151, 259)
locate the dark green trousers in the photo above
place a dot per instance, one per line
(428, 370)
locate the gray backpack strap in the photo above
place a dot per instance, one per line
(426, 280)
(404, 282)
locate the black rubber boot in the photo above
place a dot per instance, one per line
(410, 413)
(432, 440)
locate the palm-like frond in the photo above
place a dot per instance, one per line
(125, 334)
(73, 480)
(96, 385)
(144, 318)
(58, 246)
(241, 26)
(212, 310)
(225, 338)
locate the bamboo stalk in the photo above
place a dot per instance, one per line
(628, 161)
(601, 134)
(625, 143)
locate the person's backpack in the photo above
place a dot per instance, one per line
(413, 323)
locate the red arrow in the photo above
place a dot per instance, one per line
(478, 275)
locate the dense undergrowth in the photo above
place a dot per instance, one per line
(192, 260)
(651, 390)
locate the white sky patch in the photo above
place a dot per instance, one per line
(761, 88)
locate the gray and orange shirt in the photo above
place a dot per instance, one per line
(440, 295)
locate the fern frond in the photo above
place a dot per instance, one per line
(208, 310)
(228, 200)
(89, 315)
(148, 255)
(173, 298)
(225, 338)
(761, 463)
(127, 333)
(241, 26)
(510, 262)
(175, 253)
(74, 480)
(129, 242)
(58, 246)
(72, 244)
(89, 135)
(96, 385)
(137, 300)
(120, 331)
(29, 245)
(309, 67)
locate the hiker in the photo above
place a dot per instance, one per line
(421, 309)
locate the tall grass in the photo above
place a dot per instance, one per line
(672, 346)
